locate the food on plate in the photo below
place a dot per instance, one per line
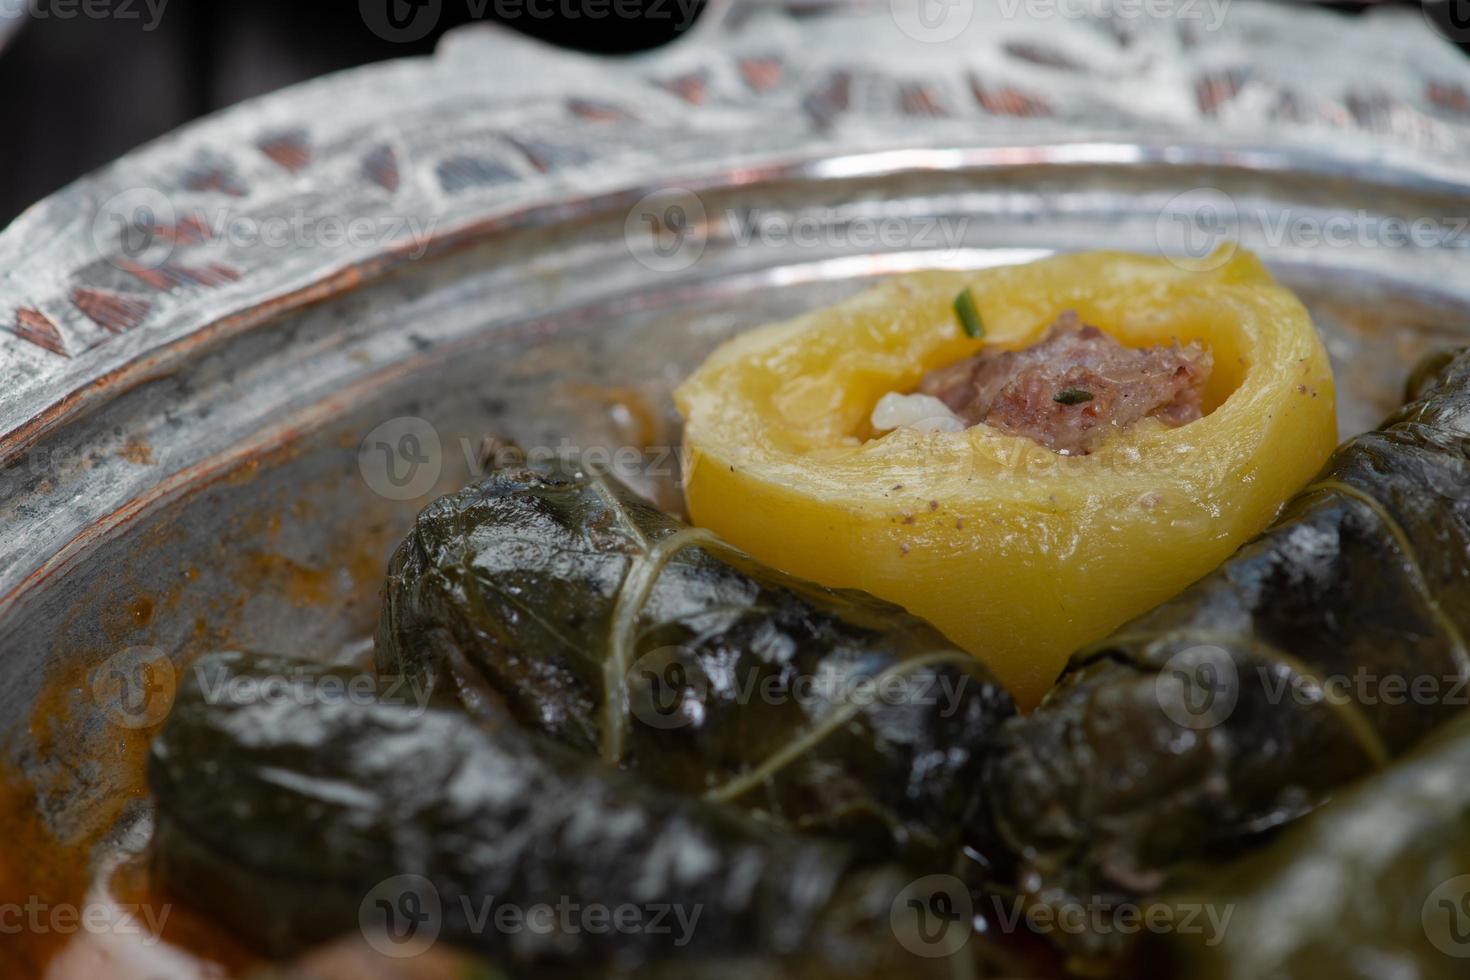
(623, 633)
(1322, 649)
(1375, 883)
(1026, 456)
(579, 699)
(295, 820)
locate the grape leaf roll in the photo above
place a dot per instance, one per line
(1323, 648)
(297, 805)
(621, 632)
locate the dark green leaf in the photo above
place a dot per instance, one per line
(1378, 875)
(1072, 396)
(615, 629)
(290, 822)
(1202, 724)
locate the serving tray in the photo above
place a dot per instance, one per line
(236, 362)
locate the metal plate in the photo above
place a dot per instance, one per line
(214, 407)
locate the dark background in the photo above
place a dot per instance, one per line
(78, 92)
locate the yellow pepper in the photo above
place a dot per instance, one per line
(1019, 554)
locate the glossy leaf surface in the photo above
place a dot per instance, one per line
(1375, 883)
(1321, 650)
(296, 819)
(620, 632)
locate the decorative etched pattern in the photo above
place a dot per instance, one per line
(1449, 96)
(547, 156)
(1005, 101)
(215, 179)
(590, 110)
(35, 327)
(761, 74)
(1214, 90)
(190, 230)
(691, 87)
(235, 213)
(169, 277)
(290, 149)
(111, 311)
(381, 167)
(458, 173)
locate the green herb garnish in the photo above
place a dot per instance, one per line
(1072, 396)
(969, 314)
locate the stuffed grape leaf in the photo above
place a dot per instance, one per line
(1322, 649)
(1375, 883)
(620, 632)
(298, 817)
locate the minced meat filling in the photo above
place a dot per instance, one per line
(1074, 387)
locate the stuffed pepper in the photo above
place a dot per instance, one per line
(1025, 456)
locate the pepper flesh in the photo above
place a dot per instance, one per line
(1016, 553)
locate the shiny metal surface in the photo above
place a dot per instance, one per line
(550, 243)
